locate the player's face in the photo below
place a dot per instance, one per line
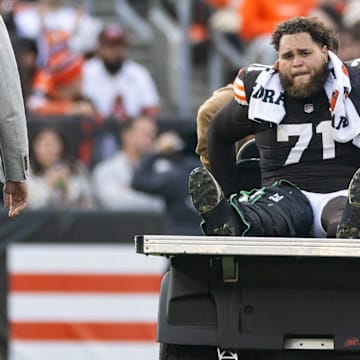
(302, 65)
(140, 138)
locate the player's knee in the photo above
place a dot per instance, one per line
(331, 215)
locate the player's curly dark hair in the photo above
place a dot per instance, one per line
(318, 31)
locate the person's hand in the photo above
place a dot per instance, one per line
(168, 142)
(57, 174)
(82, 108)
(15, 197)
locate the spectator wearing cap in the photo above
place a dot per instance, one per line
(119, 87)
(56, 89)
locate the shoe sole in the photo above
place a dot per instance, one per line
(354, 190)
(351, 227)
(204, 190)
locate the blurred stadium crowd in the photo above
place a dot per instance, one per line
(111, 93)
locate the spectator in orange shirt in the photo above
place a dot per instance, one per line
(258, 20)
(56, 89)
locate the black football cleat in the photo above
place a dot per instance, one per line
(210, 202)
(204, 190)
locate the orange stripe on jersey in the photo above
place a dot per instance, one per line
(238, 84)
(333, 100)
(240, 97)
(239, 92)
(239, 89)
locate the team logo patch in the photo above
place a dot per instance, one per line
(309, 108)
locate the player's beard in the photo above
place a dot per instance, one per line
(305, 90)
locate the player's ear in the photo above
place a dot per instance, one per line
(325, 52)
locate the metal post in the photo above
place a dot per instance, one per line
(183, 9)
(89, 6)
(215, 69)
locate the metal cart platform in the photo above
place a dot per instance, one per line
(257, 297)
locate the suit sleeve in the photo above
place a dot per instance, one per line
(13, 130)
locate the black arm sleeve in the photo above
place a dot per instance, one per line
(229, 125)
